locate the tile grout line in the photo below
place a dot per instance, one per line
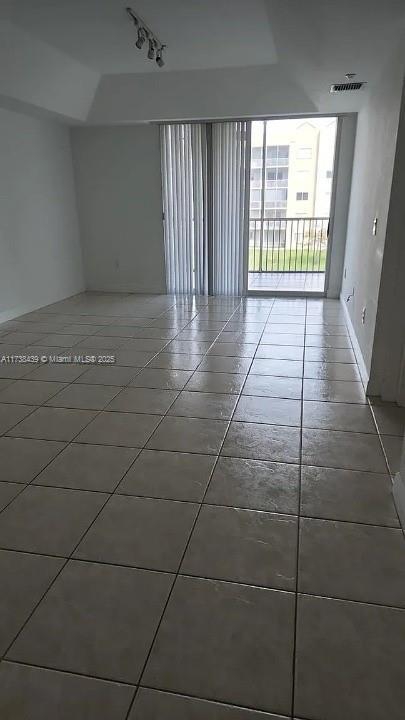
(294, 653)
(379, 434)
(67, 442)
(390, 474)
(59, 350)
(64, 564)
(209, 481)
(190, 534)
(176, 574)
(4, 655)
(137, 688)
(76, 673)
(25, 485)
(212, 454)
(162, 418)
(226, 581)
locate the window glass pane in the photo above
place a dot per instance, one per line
(281, 196)
(283, 151)
(282, 173)
(271, 151)
(257, 153)
(271, 196)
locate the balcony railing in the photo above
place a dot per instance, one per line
(288, 244)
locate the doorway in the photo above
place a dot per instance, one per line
(248, 205)
(291, 188)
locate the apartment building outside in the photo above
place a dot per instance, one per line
(291, 178)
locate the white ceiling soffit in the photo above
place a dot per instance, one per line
(204, 94)
(39, 79)
(200, 34)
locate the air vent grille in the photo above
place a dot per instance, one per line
(346, 87)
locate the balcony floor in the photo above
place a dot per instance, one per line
(287, 281)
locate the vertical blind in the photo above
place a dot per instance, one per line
(204, 212)
(228, 206)
(184, 183)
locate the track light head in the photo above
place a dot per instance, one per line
(159, 57)
(151, 51)
(141, 38)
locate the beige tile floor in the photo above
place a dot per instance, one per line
(203, 529)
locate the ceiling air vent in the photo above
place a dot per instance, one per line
(346, 87)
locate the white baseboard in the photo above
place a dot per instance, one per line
(398, 491)
(356, 347)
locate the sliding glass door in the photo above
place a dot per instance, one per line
(291, 179)
(247, 205)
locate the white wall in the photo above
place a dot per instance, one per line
(40, 255)
(118, 186)
(387, 377)
(118, 183)
(370, 196)
(343, 176)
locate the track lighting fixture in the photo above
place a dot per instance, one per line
(155, 47)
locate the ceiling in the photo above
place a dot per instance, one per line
(225, 58)
(200, 34)
(332, 34)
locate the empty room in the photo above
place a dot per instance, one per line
(202, 360)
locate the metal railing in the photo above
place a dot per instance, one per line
(288, 244)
